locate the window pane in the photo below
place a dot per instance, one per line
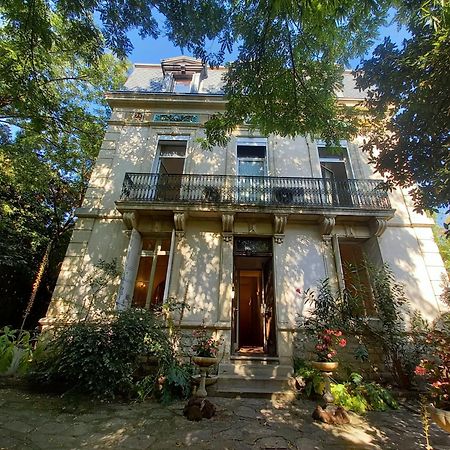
(334, 170)
(331, 152)
(148, 244)
(165, 245)
(251, 168)
(175, 148)
(182, 86)
(251, 151)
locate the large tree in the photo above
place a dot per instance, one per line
(408, 117)
(288, 66)
(52, 119)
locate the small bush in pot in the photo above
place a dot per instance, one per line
(328, 342)
(205, 344)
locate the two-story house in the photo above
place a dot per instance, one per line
(239, 233)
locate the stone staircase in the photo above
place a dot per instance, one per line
(253, 376)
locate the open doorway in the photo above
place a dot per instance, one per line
(254, 301)
(170, 168)
(336, 171)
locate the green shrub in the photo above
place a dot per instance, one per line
(354, 394)
(360, 396)
(102, 357)
(177, 382)
(313, 379)
(15, 351)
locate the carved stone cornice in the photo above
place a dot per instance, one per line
(227, 227)
(279, 225)
(378, 226)
(179, 219)
(130, 219)
(327, 224)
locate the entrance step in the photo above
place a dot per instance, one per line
(256, 377)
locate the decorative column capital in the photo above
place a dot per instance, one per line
(327, 224)
(279, 225)
(227, 227)
(130, 219)
(378, 226)
(179, 219)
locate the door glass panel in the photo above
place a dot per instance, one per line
(252, 246)
(150, 281)
(165, 245)
(159, 282)
(142, 281)
(148, 244)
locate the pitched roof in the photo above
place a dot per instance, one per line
(150, 78)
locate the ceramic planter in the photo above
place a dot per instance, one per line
(204, 361)
(325, 366)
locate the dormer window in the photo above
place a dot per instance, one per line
(183, 74)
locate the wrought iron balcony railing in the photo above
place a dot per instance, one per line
(258, 191)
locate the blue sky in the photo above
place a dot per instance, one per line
(152, 51)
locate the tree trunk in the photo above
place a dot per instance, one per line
(37, 283)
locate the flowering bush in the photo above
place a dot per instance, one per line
(327, 343)
(436, 369)
(205, 344)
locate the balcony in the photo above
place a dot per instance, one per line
(225, 191)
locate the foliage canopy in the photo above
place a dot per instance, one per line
(409, 104)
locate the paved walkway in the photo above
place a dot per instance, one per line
(38, 421)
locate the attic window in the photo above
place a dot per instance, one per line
(183, 74)
(182, 86)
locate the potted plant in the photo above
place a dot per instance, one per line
(205, 350)
(328, 342)
(436, 371)
(205, 347)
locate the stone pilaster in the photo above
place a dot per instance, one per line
(130, 271)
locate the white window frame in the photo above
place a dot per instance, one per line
(169, 138)
(253, 142)
(346, 157)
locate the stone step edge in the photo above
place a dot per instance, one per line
(222, 376)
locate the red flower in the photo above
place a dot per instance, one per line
(421, 371)
(342, 342)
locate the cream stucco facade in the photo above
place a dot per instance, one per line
(284, 205)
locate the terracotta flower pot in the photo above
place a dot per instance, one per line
(325, 366)
(204, 361)
(440, 416)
